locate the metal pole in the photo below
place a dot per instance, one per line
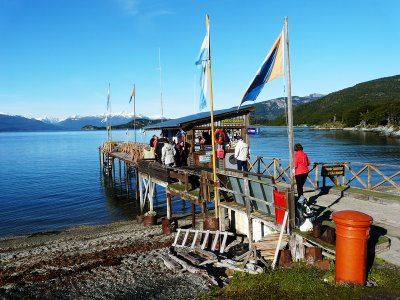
(212, 124)
(159, 63)
(134, 111)
(290, 109)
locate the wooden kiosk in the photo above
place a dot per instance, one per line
(195, 132)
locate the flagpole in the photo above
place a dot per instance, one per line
(134, 111)
(109, 102)
(159, 64)
(290, 107)
(212, 123)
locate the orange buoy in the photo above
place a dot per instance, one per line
(219, 136)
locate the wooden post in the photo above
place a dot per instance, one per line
(113, 167)
(169, 208)
(317, 176)
(248, 211)
(137, 189)
(126, 172)
(204, 208)
(369, 176)
(217, 185)
(344, 175)
(151, 194)
(119, 170)
(291, 207)
(141, 193)
(222, 218)
(193, 216)
(101, 161)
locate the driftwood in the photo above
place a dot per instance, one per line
(171, 264)
(236, 266)
(206, 254)
(191, 258)
(269, 243)
(192, 269)
(297, 247)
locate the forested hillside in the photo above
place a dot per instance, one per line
(370, 103)
(139, 123)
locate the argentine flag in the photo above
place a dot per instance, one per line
(202, 60)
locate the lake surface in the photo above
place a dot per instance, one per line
(52, 180)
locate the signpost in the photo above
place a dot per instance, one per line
(253, 130)
(336, 170)
(333, 172)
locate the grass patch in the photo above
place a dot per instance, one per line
(181, 188)
(303, 282)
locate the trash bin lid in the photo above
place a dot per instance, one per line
(352, 218)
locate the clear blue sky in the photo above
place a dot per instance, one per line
(57, 57)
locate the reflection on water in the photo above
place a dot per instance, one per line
(328, 145)
(123, 204)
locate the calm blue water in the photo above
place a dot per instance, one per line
(52, 180)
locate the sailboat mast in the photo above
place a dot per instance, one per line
(289, 103)
(161, 98)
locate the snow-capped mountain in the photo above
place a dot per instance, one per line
(19, 123)
(77, 122)
(49, 120)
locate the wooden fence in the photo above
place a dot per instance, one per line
(364, 175)
(369, 176)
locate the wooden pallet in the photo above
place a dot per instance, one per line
(198, 234)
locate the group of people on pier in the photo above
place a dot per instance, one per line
(169, 153)
(175, 154)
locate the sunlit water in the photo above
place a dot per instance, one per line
(52, 180)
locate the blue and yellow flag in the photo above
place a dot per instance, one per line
(271, 68)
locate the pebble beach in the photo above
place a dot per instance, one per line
(116, 261)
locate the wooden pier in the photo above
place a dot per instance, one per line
(245, 202)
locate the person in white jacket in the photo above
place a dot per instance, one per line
(168, 154)
(241, 153)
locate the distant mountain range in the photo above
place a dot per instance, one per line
(264, 111)
(271, 109)
(19, 123)
(371, 103)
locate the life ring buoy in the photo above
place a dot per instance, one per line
(222, 134)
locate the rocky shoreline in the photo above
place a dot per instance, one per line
(383, 130)
(115, 261)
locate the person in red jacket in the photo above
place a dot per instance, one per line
(301, 163)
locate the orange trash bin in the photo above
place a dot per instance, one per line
(352, 233)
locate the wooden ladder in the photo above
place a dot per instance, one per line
(199, 234)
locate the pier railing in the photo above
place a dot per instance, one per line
(137, 151)
(369, 176)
